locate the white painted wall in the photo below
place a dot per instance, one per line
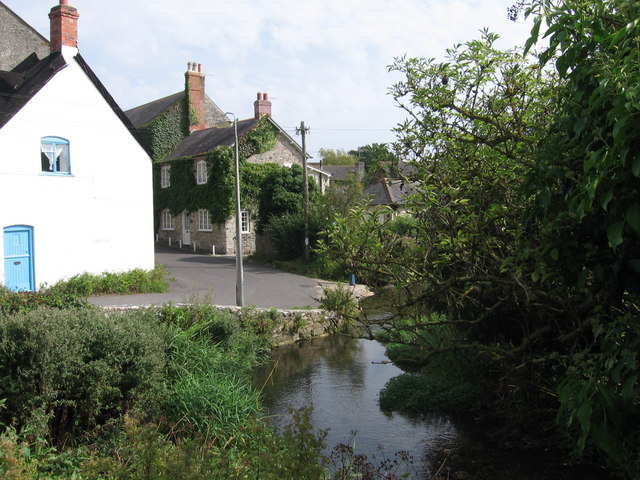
(101, 217)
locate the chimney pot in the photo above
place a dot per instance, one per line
(199, 68)
(64, 2)
(262, 106)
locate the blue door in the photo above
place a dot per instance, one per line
(18, 258)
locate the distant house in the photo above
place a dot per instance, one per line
(392, 193)
(191, 182)
(75, 176)
(398, 169)
(342, 174)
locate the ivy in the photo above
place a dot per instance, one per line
(262, 138)
(218, 194)
(167, 130)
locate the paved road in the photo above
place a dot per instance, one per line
(213, 279)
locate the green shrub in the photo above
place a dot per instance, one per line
(82, 366)
(287, 234)
(340, 299)
(415, 393)
(132, 281)
(14, 302)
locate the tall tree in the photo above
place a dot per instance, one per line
(339, 156)
(375, 155)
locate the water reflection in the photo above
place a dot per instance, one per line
(341, 377)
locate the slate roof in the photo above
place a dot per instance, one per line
(20, 85)
(23, 82)
(143, 114)
(203, 141)
(345, 172)
(389, 192)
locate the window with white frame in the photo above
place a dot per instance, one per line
(165, 176)
(201, 172)
(54, 155)
(245, 221)
(204, 220)
(167, 220)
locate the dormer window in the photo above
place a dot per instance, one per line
(165, 176)
(54, 155)
(201, 172)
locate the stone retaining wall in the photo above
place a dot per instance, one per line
(291, 325)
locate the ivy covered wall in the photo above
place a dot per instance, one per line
(167, 130)
(218, 194)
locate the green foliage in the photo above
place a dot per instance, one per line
(600, 395)
(14, 302)
(262, 138)
(524, 232)
(338, 199)
(588, 168)
(80, 366)
(207, 389)
(340, 299)
(374, 156)
(132, 281)
(281, 193)
(287, 234)
(167, 130)
(337, 157)
(415, 393)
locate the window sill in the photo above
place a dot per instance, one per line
(168, 229)
(205, 229)
(56, 174)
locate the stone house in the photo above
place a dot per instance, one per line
(187, 132)
(19, 40)
(59, 202)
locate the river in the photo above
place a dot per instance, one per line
(340, 378)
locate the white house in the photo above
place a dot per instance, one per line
(75, 177)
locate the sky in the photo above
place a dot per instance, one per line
(324, 62)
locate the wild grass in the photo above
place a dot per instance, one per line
(132, 281)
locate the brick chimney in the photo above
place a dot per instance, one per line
(195, 93)
(262, 106)
(64, 26)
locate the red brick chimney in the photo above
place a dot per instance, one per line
(64, 26)
(262, 106)
(195, 93)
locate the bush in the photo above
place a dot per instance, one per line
(14, 302)
(81, 367)
(132, 281)
(415, 393)
(287, 234)
(340, 299)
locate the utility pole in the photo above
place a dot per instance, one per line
(305, 187)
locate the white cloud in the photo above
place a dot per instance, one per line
(322, 61)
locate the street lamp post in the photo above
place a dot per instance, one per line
(239, 270)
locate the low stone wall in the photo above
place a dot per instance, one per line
(291, 325)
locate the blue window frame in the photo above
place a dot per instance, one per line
(54, 155)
